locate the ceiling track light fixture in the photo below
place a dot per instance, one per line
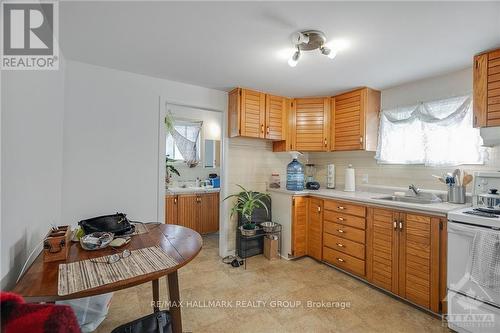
(309, 40)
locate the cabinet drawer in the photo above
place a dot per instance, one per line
(346, 232)
(349, 220)
(343, 245)
(344, 261)
(347, 208)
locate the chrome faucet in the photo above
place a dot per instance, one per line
(414, 189)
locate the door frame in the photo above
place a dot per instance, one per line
(223, 205)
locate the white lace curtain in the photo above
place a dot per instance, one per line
(437, 133)
(187, 143)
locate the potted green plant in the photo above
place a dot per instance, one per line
(246, 203)
(170, 170)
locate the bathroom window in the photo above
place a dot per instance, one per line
(185, 143)
(437, 133)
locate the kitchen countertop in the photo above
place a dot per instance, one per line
(189, 190)
(371, 198)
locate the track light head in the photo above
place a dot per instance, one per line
(294, 59)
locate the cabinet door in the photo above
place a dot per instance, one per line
(253, 111)
(233, 112)
(348, 120)
(275, 117)
(188, 211)
(299, 226)
(480, 102)
(315, 229)
(171, 209)
(419, 260)
(311, 124)
(209, 212)
(382, 248)
(493, 116)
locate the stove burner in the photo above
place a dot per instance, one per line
(488, 210)
(477, 212)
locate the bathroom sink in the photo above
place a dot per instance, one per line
(416, 200)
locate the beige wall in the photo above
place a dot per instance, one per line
(389, 175)
(251, 163)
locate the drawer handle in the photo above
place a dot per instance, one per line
(395, 224)
(341, 207)
(340, 245)
(340, 230)
(340, 259)
(340, 218)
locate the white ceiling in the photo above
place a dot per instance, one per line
(223, 45)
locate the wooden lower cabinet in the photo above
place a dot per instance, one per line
(299, 226)
(188, 211)
(209, 213)
(401, 252)
(344, 236)
(315, 229)
(403, 255)
(199, 212)
(382, 249)
(171, 209)
(419, 260)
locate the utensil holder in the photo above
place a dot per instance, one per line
(456, 194)
(56, 244)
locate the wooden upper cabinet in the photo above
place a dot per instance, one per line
(276, 117)
(355, 120)
(487, 89)
(299, 226)
(255, 114)
(311, 124)
(315, 229)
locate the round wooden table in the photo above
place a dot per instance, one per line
(40, 282)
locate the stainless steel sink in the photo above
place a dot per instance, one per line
(410, 199)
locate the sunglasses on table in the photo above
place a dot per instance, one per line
(113, 258)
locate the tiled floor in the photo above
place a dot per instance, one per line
(206, 279)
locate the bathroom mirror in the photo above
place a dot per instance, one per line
(212, 154)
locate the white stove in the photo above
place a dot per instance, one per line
(474, 306)
(463, 216)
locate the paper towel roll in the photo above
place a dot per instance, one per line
(350, 180)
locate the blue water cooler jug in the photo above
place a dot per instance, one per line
(295, 174)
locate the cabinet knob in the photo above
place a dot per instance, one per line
(319, 209)
(325, 142)
(268, 130)
(340, 218)
(340, 259)
(262, 128)
(341, 231)
(340, 245)
(400, 225)
(175, 200)
(341, 207)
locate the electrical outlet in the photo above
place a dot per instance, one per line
(364, 178)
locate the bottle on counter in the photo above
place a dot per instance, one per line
(295, 174)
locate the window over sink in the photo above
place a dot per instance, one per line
(437, 133)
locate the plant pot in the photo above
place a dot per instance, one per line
(248, 232)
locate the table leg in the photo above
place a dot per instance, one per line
(175, 306)
(156, 295)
